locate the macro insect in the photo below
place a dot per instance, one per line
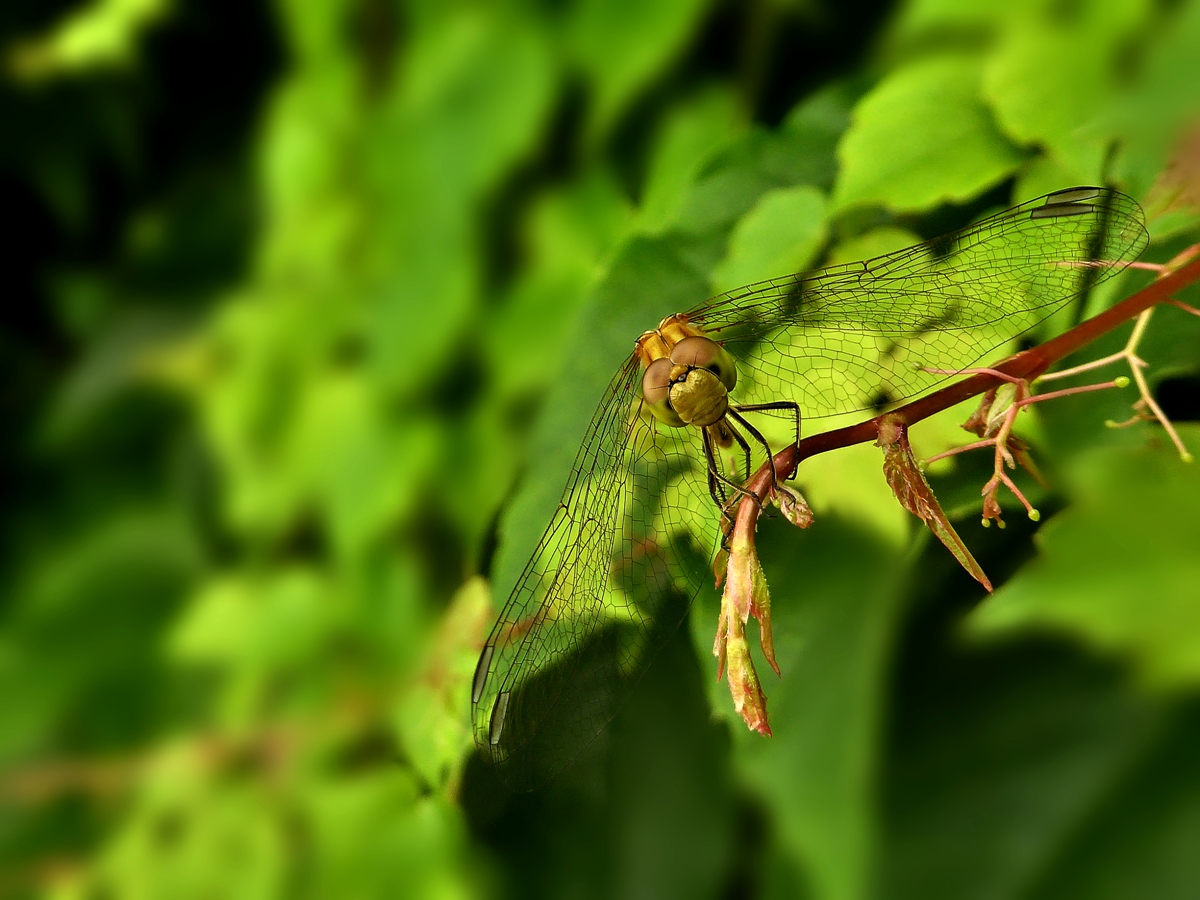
(707, 397)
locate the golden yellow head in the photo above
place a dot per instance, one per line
(688, 376)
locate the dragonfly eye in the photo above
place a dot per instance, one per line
(701, 353)
(656, 391)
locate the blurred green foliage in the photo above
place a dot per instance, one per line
(309, 305)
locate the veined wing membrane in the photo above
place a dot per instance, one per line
(625, 552)
(857, 336)
(610, 580)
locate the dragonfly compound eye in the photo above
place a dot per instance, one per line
(656, 389)
(702, 353)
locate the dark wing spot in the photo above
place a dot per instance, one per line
(1074, 195)
(496, 723)
(1061, 210)
(1071, 202)
(481, 673)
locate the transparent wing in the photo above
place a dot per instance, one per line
(625, 552)
(857, 336)
(610, 580)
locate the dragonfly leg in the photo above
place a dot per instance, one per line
(754, 433)
(714, 489)
(793, 408)
(717, 478)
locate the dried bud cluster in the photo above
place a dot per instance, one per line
(746, 594)
(908, 483)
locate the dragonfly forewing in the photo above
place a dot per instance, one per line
(845, 338)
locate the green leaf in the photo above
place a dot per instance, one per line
(82, 628)
(102, 35)
(933, 15)
(725, 190)
(1041, 175)
(250, 623)
(1156, 111)
(373, 832)
(472, 90)
(674, 808)
(687, 139)
(922, 137)
(835, 597)
(362, 473)
(473, 93)
(210, 825)
(801, 152)
(316, 31)
(648, 810)
(1044, 85)
(997, 760)
(1118, 569)
(569, 234)
(309, 129)
(428, 718)
(1142, 838)
(624, 44)
(873, 243)
(247, 404)
(779, 236)
(850, 483)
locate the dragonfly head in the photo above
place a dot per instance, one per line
(691, 386)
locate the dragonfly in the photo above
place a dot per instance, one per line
(711, 392)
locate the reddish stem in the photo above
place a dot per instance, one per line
(1026, 366)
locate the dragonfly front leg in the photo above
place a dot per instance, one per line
(714, 488)
(716, 477)
(754, 433)
(793, 408)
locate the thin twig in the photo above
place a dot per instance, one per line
(1027, 365)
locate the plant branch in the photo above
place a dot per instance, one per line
(746, 594)
(1027, 365)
